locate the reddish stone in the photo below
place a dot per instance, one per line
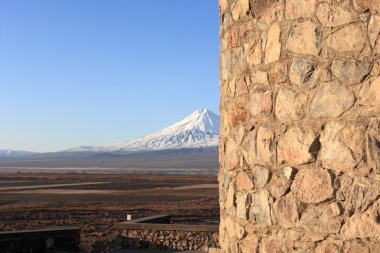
(243, 181)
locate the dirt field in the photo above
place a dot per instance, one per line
(96, 201)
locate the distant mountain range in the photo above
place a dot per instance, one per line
(14, 153)
(198, 130)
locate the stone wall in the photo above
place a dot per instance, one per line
(168, 240)
(300, 126)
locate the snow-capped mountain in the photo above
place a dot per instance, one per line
(13, 153)
(199, 129)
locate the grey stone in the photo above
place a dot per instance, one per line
(360, 192)
(301, 70)
(260, 176)
(241, 206)
(260, 209)
(350, 71)
(373, 144)
(331, 93)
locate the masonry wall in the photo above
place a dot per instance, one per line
(300, 126)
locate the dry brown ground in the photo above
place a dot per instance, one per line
(97, 201)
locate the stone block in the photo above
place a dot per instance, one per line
(331, 93)
(266, 146)
(331, 15)
(342, 146)
(297, 147)
(260, 212)
(320, 220)
(359, 192)
(244, 181)
(231, 158)
(313, 186)
(260, 176)
(237, 111)
(301, 71)
(273, 45)
(230, 198)
(278, 73)
(300, 9)
(260, 102)
(350, 38)
(363, 225)
(350, 71)
(369, 98)
(253, 53)
(304, 38)
(374, 32)
(290, 105)
(242, 202)
(274, 245)
(373, 147)
(286, 211)
(280, 181)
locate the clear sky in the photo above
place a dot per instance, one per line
(94, 72)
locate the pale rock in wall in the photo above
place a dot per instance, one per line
(300, 132)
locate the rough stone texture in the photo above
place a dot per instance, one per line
(363, 5)
(168, 240)
(333, 15)
(373, 147)
(286, 211)
(260, 209)
(304, 38)
(280, 182)
(374, 32)
(359, 192)
(369, 98)
(243, 181)
(260, 176)
(297, 147)
(273, 47)
(260, 102)
(320, 219)
(300, 126)
(300, 8)
(240, 9)
(342, 146)
(363, 225)
(301, 70)
(290, 105)
(313, 185)
(331, 93)
(350, 71)
(241, 206)
(347, 39)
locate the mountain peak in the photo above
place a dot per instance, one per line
(199, 129)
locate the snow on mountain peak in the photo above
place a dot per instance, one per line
(199, 129)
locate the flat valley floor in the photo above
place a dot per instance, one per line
(97, 201)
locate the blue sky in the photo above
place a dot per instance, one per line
(94, 72)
